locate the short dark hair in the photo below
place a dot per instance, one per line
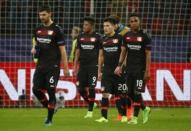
(134, 15)
(116, 18)
(90, 19)
(111, 20)
(44, 8)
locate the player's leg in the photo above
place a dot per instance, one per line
(52, 77)
(38, 85)
(121, 93)
(92, 81)
(82, 83)
(131, 94)
(106, 89)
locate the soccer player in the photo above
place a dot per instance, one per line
(137, 46)
(121, 29)
(74, 34)
(88, 46)
(49, 49)
(109, 57)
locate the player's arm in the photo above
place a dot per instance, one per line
(76, 61)
(123, 53)
(148, 62)
(33, 51)
(100, 63)
(61, 43)
(64, 59)
(147, 41)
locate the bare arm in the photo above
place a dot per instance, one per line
(64, 59)
(148, 62)
(76, 61)
(100, 63)
(123, 53)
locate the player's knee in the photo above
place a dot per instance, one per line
(35, 90)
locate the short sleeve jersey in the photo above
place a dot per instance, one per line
(111, 51)
(136, 45)
(48, 39)
(89, 45)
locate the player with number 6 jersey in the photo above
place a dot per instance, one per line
(49, 50)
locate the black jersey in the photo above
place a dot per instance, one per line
(136, 44)
(48, 39)
(89, 45)
(111, 51)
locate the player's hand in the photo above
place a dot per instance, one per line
(33, 51)
(146, 76)
(99, 76)
(75, 71)
(118, 71)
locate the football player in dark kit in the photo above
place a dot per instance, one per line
(49, 49)
(109, 58)
(88, 46)
(137, 47)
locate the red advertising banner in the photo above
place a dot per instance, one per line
(170, 85)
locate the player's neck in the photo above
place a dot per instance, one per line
(48, 23)
(111, 34)
(135, 30)
(90, 32)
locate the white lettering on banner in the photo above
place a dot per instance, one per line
(162, 76)
(21, 83)
(69, 86)
(166, 75)
(9, 87)
(146, 95)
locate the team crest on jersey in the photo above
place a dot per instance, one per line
(82, 39)
(39, 31)
(115, 41)
(92, 39)
(50, 32)
(139, 39)
(128, 38)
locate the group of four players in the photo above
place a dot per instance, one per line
(120, 60)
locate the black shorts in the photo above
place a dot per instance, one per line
(135, 82)
(87, 76)
(45, 78)
(113, 84)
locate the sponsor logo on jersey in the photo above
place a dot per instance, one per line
(87, 47)
(44, 40)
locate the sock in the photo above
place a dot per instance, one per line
(118, 104)
(142, 105)
(123, 105)
(83, 94)
(137, 104)
(104, 107)
(91, 98)
(50, 111)
(51, 103)
(41, 97)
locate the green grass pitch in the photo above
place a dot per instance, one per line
(71, 119)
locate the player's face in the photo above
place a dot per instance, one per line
(134, 23)
(44, 16)
(108, 28)
(87, 27)
(74, 33)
